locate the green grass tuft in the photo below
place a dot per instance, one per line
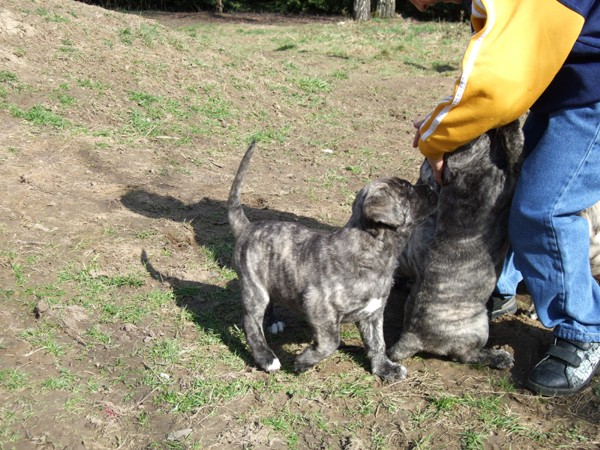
(39, 115)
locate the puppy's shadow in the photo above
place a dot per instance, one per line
(208, 218)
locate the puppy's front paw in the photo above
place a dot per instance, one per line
(390, 371)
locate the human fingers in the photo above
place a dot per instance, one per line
(417, 124)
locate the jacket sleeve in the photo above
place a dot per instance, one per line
(516, 50)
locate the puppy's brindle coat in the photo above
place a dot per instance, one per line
(344, 276)
(456, 255)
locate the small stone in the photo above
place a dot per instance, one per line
(178, 435)
(129, 328)
(40, 309)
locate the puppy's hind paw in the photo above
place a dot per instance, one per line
(276, 327)
(390, 371)
(501, 359)
(494, 358)
(408, 345)
(399, 353)
(300, 367)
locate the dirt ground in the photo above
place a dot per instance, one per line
(120, 137)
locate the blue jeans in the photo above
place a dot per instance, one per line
(550, 241)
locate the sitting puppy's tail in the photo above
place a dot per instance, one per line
(237, 219)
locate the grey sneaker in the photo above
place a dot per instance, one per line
(499, 306)
(566, 369)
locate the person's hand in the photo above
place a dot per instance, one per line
(437, 164)
(417, 125)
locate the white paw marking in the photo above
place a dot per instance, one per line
(277, 327)
(275, 365)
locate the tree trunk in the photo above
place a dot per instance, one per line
(386, 9)
(219, 6)
(362, 9)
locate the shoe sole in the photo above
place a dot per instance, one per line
(509, 308)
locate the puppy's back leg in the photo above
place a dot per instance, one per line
(255, 300)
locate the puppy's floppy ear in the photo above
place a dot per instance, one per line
(380, 206)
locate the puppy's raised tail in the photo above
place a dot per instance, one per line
(235, 213)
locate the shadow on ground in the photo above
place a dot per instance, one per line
(208, 218)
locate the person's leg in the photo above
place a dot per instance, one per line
(551, 241)
(510, 277)
(503, 299)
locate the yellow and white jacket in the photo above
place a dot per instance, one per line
(516, 50)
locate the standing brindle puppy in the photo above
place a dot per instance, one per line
(344, 276)
(456, 255)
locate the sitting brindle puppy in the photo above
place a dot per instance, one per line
(344, 276)
(456, 255)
